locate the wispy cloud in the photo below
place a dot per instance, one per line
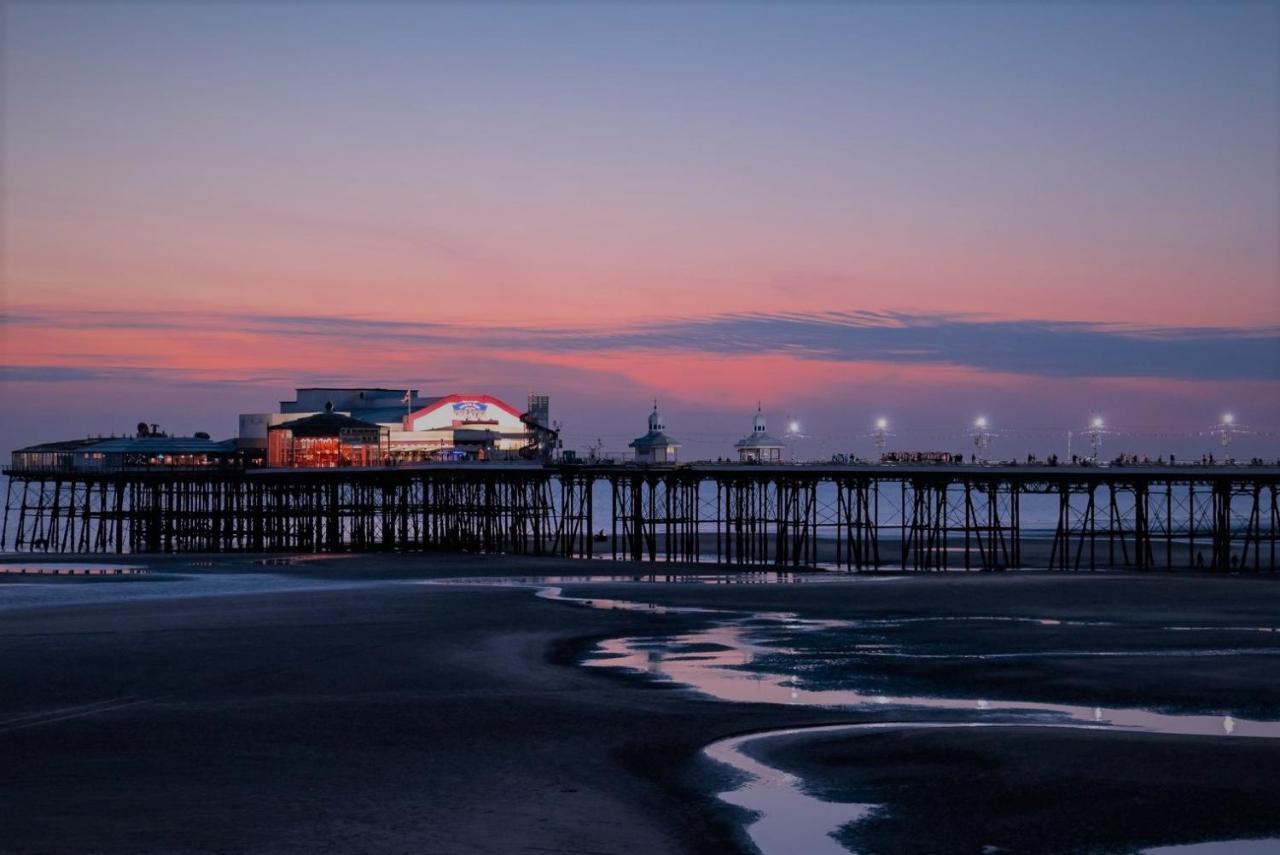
(1062, 349)
(1036, 347)
(53, 373)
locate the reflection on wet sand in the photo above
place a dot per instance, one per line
(722, 651)
(1220, 847)
(713, 661)
(787, 819)
(73, 569)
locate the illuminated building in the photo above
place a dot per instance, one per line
(148, 450)
(414, 428)
(655, 446)
(473, 426)
(326, 440)
(758, 446)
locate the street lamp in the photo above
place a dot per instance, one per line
(1096, 429)
(981, 437)
(1228, 422)
(882, 434)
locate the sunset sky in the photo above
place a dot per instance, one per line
(844, 211)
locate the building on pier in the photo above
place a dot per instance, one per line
(52, 456)
(326, 440)
(129, 453)
(380, 406)
(417, 428)
(463, 427)
(758, 446)
(372, 404)
(655, 446)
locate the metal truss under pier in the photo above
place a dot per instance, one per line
(926, 517)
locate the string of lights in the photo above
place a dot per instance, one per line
(982, 432)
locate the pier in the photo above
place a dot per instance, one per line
(853, 517)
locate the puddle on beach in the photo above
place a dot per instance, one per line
(17, 592)
(74, 569)
(745, 577)
(1221, 847)
(714, 661)
(790, 820)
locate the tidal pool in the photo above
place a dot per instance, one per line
(714, 661)
(73, 569)
(165, 584)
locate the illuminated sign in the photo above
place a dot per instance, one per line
(470, 411)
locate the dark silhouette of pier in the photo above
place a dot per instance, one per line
(854, 517)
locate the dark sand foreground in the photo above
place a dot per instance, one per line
(416, 718)
(394, 718)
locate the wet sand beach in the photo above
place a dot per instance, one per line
(359, 710)
(385, 717)
(1026, 789)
